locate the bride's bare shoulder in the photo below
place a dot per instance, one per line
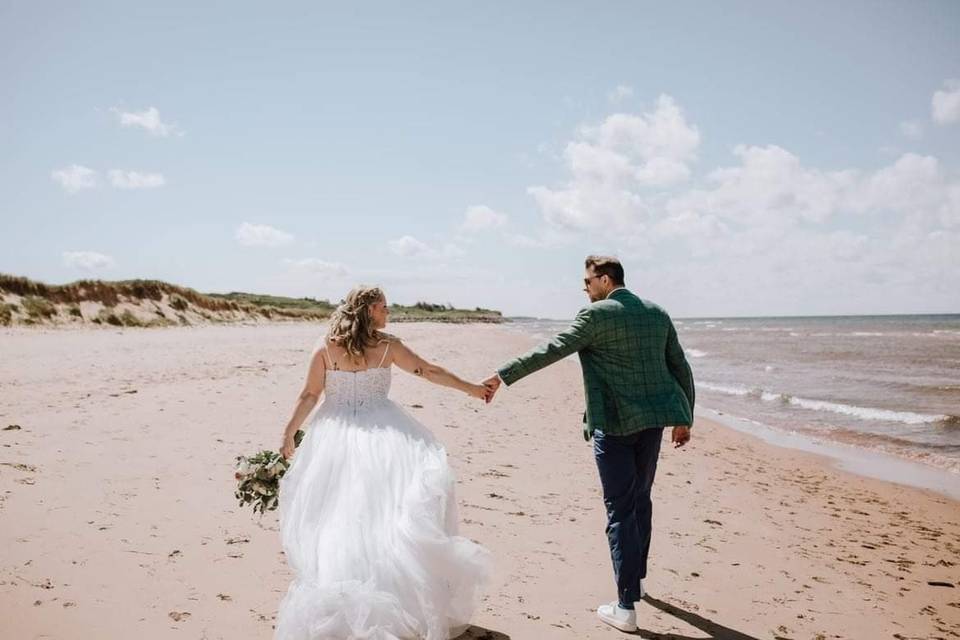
(394, 345)
(321, 349)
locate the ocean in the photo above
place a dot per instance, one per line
(884, 383)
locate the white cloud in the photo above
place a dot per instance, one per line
(945, 103)
(589, 206)
(616, 164)
(775, 236)
(686, 222)
(409, 247)
(911, 129)
(764, 233)
(769, 185)
(915, 187)
(663, 133)
(261, 235)
(524, 241)
(319, 268)
(452, 250)
(590, 163)
(75, 177)
(135, 180)
(772, 190)
(620, 93)
(87, 260)
(769, 188)
(549, 238)
(481, 218)
(148, 120)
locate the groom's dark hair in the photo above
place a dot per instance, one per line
(606, 266)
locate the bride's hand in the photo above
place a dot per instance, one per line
(287, 449)
(479, 392)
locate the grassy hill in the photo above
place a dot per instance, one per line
(153, 303)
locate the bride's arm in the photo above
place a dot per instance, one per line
(312, 388)
(410, 362)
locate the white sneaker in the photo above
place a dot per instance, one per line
(618, 617)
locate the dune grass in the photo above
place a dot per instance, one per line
(109, 293)
(43, 302)
(39, 308)
(6, 313)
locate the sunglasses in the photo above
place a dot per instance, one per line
(586, 281)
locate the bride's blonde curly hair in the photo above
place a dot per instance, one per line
(351, 326)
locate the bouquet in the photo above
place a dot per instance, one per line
(258, 477)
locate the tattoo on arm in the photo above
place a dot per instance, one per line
(418, 371)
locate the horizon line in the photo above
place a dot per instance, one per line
(785, 317)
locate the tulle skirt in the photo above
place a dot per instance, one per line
(368, 523)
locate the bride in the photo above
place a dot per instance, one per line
(368, 519)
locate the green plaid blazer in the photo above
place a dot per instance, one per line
(635, 375)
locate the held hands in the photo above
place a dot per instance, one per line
(486, 389)
(492, 384)
(480, 392)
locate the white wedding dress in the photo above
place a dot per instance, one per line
(368, 523)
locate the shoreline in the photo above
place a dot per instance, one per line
(860, 461)
(908, 464)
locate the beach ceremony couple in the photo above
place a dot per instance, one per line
(368, 517)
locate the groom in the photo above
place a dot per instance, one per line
(637, 382)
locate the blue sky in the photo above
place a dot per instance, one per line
(740, 158)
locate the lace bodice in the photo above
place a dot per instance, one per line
(356, 390)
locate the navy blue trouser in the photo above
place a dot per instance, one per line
(627, 465)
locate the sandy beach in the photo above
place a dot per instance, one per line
(118, 516)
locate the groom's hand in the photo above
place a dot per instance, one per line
(680, 436)
(492, 383)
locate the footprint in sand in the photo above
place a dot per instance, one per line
(179, 615)
(19, 466)
(46, 584)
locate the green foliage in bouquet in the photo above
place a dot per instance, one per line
(258, 477)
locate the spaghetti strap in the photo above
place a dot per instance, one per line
(326, 354)
(384, 355)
